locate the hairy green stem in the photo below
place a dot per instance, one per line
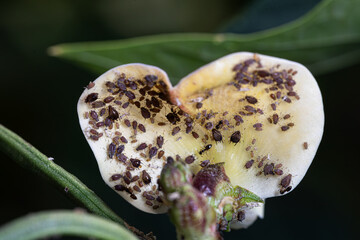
(50, 223)
(30, 158)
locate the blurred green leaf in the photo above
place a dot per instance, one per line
(51, 223)
(325, 39)
(32, 159)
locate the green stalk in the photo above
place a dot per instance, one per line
(30, 158)
(50, 223)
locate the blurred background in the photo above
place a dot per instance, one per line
(39, 94)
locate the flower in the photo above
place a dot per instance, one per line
(259, 115)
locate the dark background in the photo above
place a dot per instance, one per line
(39, 96)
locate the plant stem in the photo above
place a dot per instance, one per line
(30, 158)
(50, 223)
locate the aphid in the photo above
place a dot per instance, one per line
(285, 128)
(113, 114)
(273, 106)
(175, 130)
(305, 145)
(249, 164)
(235, 137)
(216, 135)
(116, 177)
(91, 97)
(195, 135)
(275, 118)
(152, 152)
(190, 159)
(142, 146)
(145, 113)
(285, 182)
(251, 100)
(207, 147)
(160, 141)
(142, 127)
(146, 177)
(111, 151)
(219, 125)
(199, 105)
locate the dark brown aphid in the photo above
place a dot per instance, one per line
(250, 109)
(127, 123)
(98, 104)
(258, 126)
(142, 127)
(190, 159)
(126, 180)
(145, 113)
(249, 163)
(285, 182)
(145, 177)
(285, 128)
(120, 149)
(269, 169)
(284, 190)
(195, 135)
(135, 178)
(275, 118)
(160, 154)
(125, 105)
(111, 150)
(142, 146)
(235, 137)
(273, 106)
(198, 105)
(175, 130)
(128, 174)
(119, 187)
(207, 147)
(278, 171)
(130, 95)
(116, 177)
(94, 115)
(172, 118)
(251, 100)
(108, 99)
(219, 125)
(152, 152)
(123, 139)
(287, 116)
(134, 125)
(91, 97)
(113, 114)
(238, 119)
(136, 188)
(135, 162)
(216, 135)
(305, 145)
(160, 141)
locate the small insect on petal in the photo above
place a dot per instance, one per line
(235, 137)
(217, 135)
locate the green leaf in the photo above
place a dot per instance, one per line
(31, 158)
(46, 224)
(325, 39)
